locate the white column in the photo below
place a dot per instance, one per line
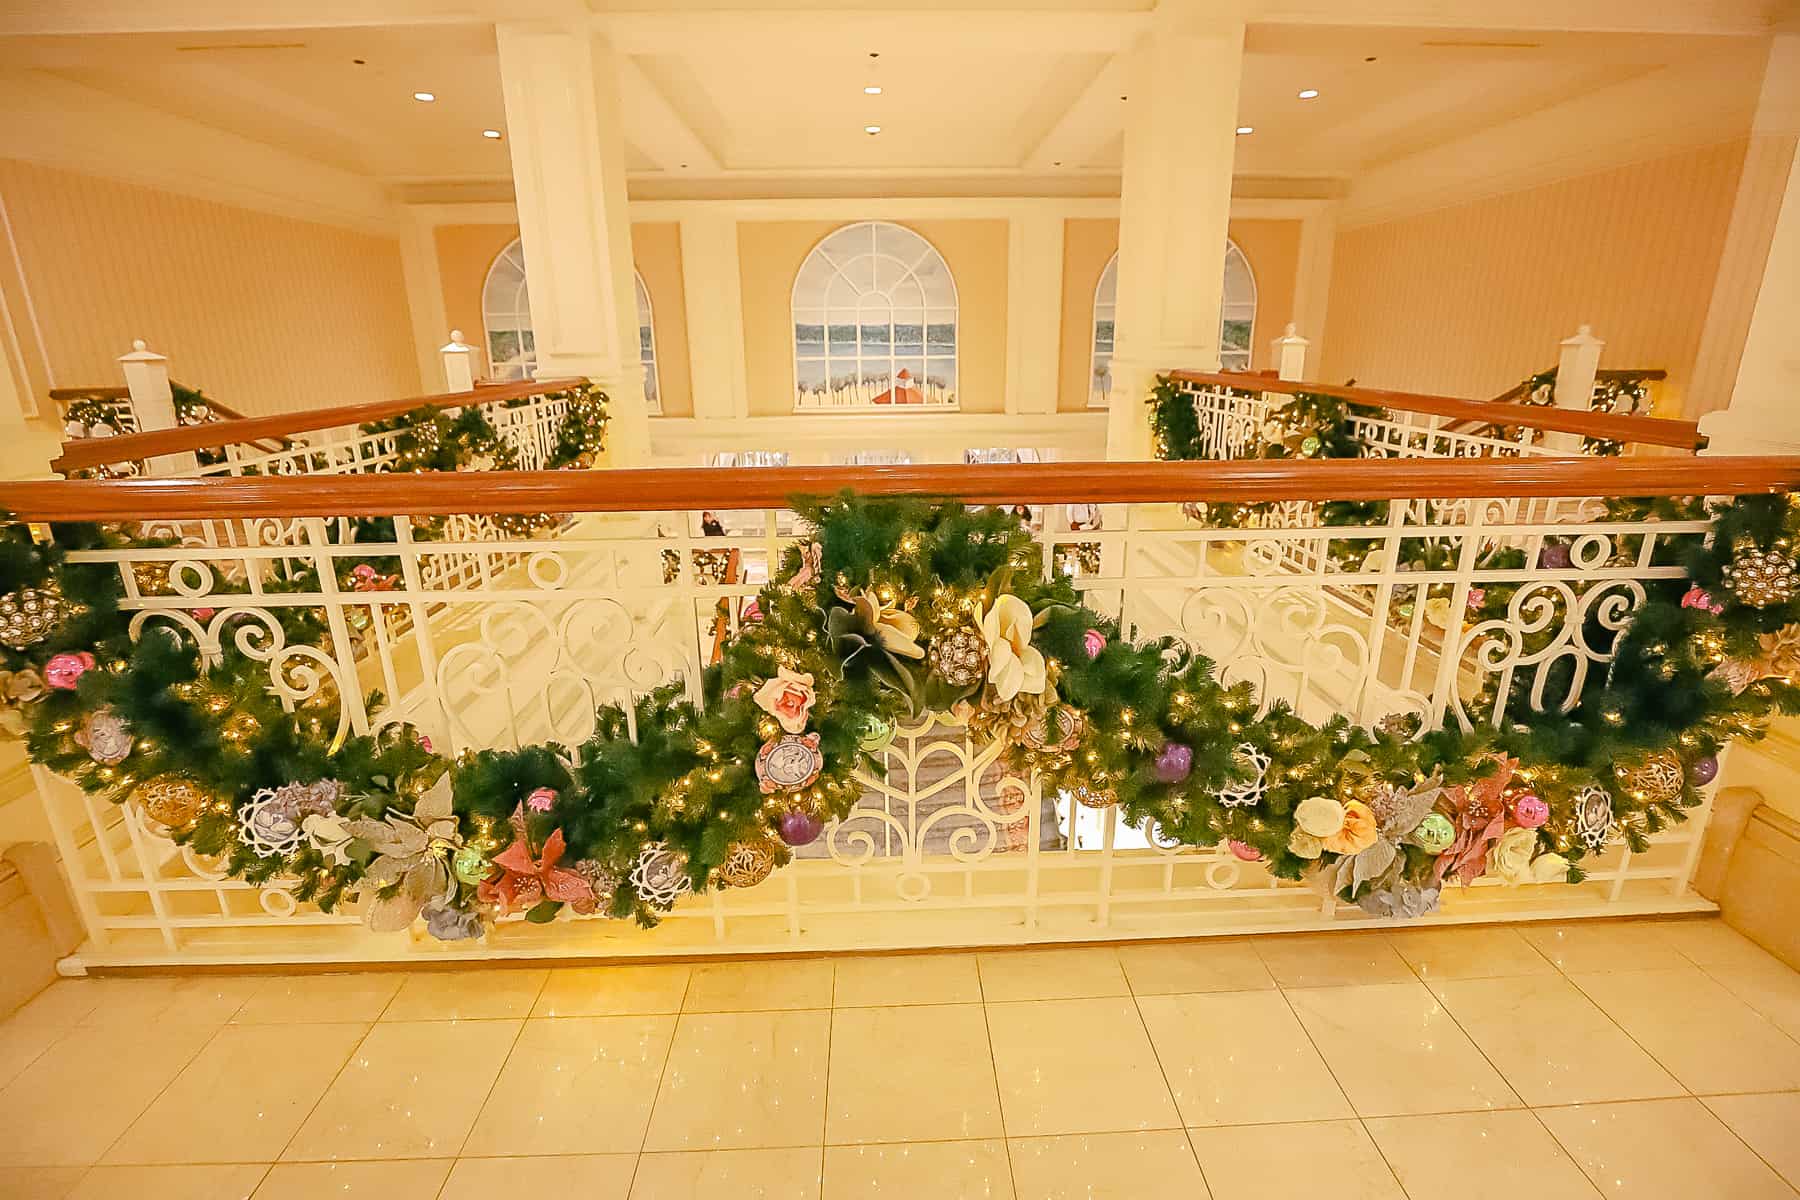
(1290, 355)
(147, 378)
(424, 292)
(568, 160)
(459, 363)
(1576, 369)
(1034, 274)
(713, 287)
(1763, 418)
(1174, 206)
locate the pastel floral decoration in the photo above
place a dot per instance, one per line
(1319, 816)
(1093, 641)
(789, 698)
(1359, 831)
(1530, 811)
(1479, 813)
(1477, 597)
(363, 571)
(811, 556)
(541, 800)
(1302, 844)
(1014, 664)
(893, 628)
(203, 615)
(65, 670)
(1509, 858)
(1698, 597)
(526, 879)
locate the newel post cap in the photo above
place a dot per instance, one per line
(140, 352)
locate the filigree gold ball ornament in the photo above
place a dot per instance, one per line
(1657, 780)
(747, 863)
(1759, 578)
(1594, 821)
(28, 615)
(659, 876)
(1252, 763)
(172, 801)
(1093, 797)
(959, 656)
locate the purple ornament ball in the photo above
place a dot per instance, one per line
(1174, 763)
(1704, 770)
(800, 828)
(1554, 556)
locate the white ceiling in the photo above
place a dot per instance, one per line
(746, 99)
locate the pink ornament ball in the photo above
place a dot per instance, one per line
(1529, 811)
(541, 800)
(1245, 850)
(1093, 641)
(64, 671)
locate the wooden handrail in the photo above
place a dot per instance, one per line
(1648, 431)
(94, 452)
(670, 489)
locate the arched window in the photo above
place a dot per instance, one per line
(874, 311)
(506, 315)
(1237, 317)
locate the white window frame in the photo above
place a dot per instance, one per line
(873, 370)
(646, 316)
(1232, 308)
(507, 313)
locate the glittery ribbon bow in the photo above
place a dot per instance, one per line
(524, 880)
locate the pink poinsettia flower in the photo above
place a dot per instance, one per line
(1478, 811)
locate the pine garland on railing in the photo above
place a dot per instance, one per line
(897, 606)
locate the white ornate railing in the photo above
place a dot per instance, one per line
(497, 642)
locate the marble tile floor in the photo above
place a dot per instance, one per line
(1619, 1059)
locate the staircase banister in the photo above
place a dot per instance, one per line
(1648, 431)
(694, 488)
(94, 452)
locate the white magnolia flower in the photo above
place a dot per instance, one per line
(1014, 664)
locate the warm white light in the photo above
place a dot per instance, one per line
(490, 133)
(874, 89)
(1243, 129)
(1309, 93)
(427, 97)
(871, 129)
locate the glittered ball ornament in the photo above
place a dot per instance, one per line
(876, 735)
(470, 865)
(747, 863)
(1174, 763)
(541, 800)
(1659, 779)
(64, 671)
(28, 615)
(799, 827)
(959, 657)
(1759, 578)
(172, 801)
(1093, 642)
(1704, 770)
(659, 876)
(1434, 833)
(1092, 797)
(1529, 810)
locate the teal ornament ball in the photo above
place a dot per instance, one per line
(1434, 834)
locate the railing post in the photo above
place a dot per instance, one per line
(1576, 371)
(147, 378)
(459, 363)
(1290, 355)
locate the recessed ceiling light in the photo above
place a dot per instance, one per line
(874, 89)
(427, 97)
(491, 133)
(1309, 93)
(871, 129)
(1243, 129)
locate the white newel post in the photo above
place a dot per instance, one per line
(1576, 370)
(561, 86)
(1174, 207)
(1290, 355)
(147, 378)
(459, 363)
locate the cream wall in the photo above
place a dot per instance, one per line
(770, 254)
(266, 313)
(1468, 300)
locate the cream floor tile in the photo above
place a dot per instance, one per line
(1240, 1058)
(743, 1081)
(1709, 1039)
(1710, 942)
(1662, 1150)
(465, 995)
(1772, 991)
(791, 1174)
(1077, 1066)
(65, 1003)
(1158, 1165)
(1052, 974)
(1767, 1124)
(411, 1090)
(913, 1074)
(1293, 1162)
(577, 1085)
(1584, 946)
(219, 1182)
(939, 1170)
(1553, 1044)
(907, 979)
(1469, 953)
(1333, 960)
(39, 1183)
(203, 1000)
(297, 999)
(415, 1179)
(1395, 1051)
(1194, 967)
(760, 986)
(1478, 1156)
(66, 1108)
(613, 991)
(241, 1098)
(21, 1044)
(587, 1176)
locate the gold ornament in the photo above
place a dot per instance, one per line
(959, 657)
(1759, 578)
(28, 615)
(747, 863)
(172, 801)
(1057, 730)
(1656, 780)
(152, 577)
(1093, 797)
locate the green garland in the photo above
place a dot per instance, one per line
(898, 607)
